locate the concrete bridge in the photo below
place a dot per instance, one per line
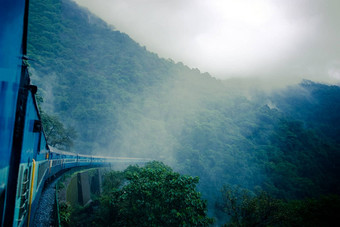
(82, 184)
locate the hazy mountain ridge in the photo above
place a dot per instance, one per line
(89, 63)
(124, 100)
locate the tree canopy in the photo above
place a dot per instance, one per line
(157, 196)
(152, 195)
(246, 208)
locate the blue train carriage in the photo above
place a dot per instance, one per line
(128, 160)
(64, 160)
(100, 161)
(85, 160)
(13, 80)
(60, 160)
(33, 165)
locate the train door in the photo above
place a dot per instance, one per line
(22, 194)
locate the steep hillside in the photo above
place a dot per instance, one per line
(90, 70)
(124, 100)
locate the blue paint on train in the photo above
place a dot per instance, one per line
(31, 137)
(11, 33)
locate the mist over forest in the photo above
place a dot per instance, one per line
(116, 98)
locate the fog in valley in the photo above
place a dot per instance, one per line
(236, 93)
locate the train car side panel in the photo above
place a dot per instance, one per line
(11, 46)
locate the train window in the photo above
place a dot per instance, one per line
(37, 126)
(41, 171)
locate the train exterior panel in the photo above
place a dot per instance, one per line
(13, 81)
(28, 164)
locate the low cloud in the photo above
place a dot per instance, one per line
(234, 38)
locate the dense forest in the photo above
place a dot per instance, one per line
(155, 195)
(114, 97)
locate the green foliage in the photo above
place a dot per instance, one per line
(260, 209)
(60, 185)
(55, 132)
(157, 196)
(153, 195)
(112, 180)
(95, 70)
(249, 209)
(322, 211)
(65, 211)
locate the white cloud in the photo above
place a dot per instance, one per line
(334, 70)
(232, 38)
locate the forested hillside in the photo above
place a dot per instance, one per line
(123, 100)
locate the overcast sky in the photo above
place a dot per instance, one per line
(229, 38)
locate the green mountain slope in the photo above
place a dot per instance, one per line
(92, 71)
(124, 100)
